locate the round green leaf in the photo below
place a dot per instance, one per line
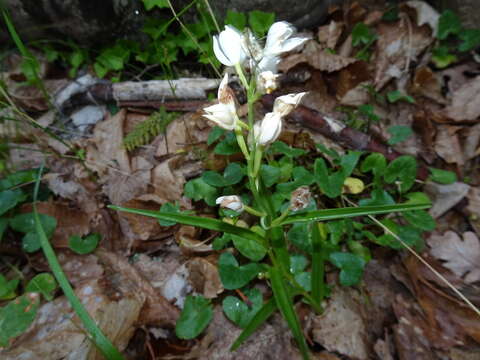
(234, 276)
(7, 288)
(351, 267)
(25, 223)
(31, 242)
(85, 245)
(442, 176)
(239, 312)
(403, 168)
(249, 248)
(196, 315)
(9, 199)
(298, 263)
(43, 283)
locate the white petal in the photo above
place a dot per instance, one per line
(231, 42)
(268, 63)
(283, 105)
(222, 86)
(270, 129)
(293, 43)
(278, 33)
(219, 54)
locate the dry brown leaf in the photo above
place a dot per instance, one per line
(427, 83)
(57, 332)
(445, 196)
(397, 47)
(465, 104)
(204, 277)
(473, 208)
(447, 144)
(188, 238)
(357, 96)
(471, 141)
(328, 35)
(317, 57)
(425, 14)
(342, 316)
(461, 257)
(168, 185)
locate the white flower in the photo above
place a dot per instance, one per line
(267, 82)
(224, 114)
(229, 46)
(279, 39)
(283, 105)
(232, 202)
(269, 129)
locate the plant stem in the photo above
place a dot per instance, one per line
(241, 75)
(252, 211)
(242, 144)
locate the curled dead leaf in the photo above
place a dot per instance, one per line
(204, 277)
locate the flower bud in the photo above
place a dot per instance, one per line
(300, 198)
(269, 129)
(232, 202)
(224, 114)
(228, 47)
(267, 82)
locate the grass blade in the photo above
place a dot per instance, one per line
(260, 317)
(94, 332)
(205, 223)
(318, 283)
(285, 304)
(342, 213)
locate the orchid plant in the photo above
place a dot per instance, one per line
(256, 68)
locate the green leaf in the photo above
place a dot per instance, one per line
(403, 168)
(150, 4)
(379, 197)
(470, 38)
(448, 23)
(215, 134)
(420, 219)
(221, 241)
(43, 283)
(362, 34)
(399, 133)
(31, 242)
(301, 177)
(249, 248)
(236, 19)
(227, 146)
(169, 208)
(7, 288)
(234, 276)
(240, 313)
(260, 21)
(412, 237)
(442, 57)
(260, 317)
(85, 245)
(196, 315)
(232, 175)
(279, 147)
(299, 235)
(341, 213)
(374, 162)
(442, 176)
(9, 199)
(202, 222)
(25, 223)
(18, 178)
(17, 316)
(396, 95)
(417, 198)
(285, 305)
(368, 111)
(298, 263)
(351, 267)
(197, 189)
(76, 58)
(270, 174)
(304, 279)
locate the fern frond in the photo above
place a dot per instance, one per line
(144, 132)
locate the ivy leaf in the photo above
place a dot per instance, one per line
(442, 57)
(298, 263)
(399, 133)
(236, 19)
(240, 313)
(470, 38)
(7, 287)
(227, 146)
(84, 245)
(232, 175)
(197, 189)
(301, 177)
(420, 219)
(234, 276)
(9, 199)
(351, 267)
(260, 21)
(43, 283)
(396, 95)
(279, 147)
(150, 4)
(448, 23)
(300, 236)
(269, 174)
(215, 134)
(25, 223)
(17, 316)
(196, 315)
(249, 248)
(442, 176)
(403, 168)
(376, 163)
(362, 34)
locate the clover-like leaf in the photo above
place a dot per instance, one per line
(84, 245)
(238, 311)
(234, 276)
(196, 315)
(44, 284)
(351, 267)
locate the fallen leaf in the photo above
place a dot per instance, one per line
(473, 208)
(168, 185)
(425, 14)
(465, 105)
(357, 96)
(471, 140)
(447, 144)
(204, 277)
(342, 316)
(427, 83)
(461, 257)
(445, 196)
(328, 35)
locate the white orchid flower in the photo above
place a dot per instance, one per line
(267, 82)
(280, 40)
(229, 46)
(284, 105)
(232, 202)
(269, 129)
(224, 114)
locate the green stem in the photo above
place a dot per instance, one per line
(242, 144)
(95, 334)
(253, 211)
(282, 216)
(257, 160)
(241, 75)
(319, 235)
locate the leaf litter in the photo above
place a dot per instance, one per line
(142, 272)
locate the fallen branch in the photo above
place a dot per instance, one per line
(340, 133)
